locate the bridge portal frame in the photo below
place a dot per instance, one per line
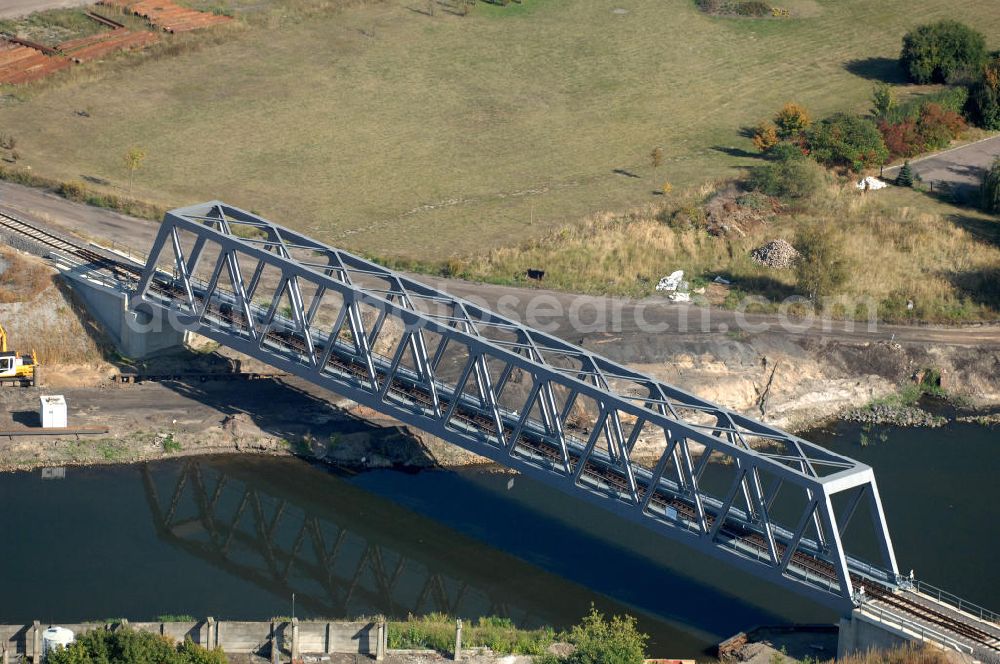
(693, 430)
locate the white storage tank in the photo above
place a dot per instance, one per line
(55, 638)
(52, 411)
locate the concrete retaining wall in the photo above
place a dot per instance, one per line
(135, 335)
(234, 637)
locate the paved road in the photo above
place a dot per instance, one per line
(961, 168)
(9, 8)
(640, 325)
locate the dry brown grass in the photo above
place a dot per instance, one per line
(908, 654)
(23, 279)
(901, 245)
(42, 316)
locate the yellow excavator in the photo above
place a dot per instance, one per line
(14, 367)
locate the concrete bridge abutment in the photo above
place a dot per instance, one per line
(136, 333)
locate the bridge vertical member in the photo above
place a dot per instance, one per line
(452, 369)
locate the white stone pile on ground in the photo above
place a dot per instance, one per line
(776, 253)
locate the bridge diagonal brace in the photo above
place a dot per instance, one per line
(554, 439)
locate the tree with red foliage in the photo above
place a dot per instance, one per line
(938, 126)
(902, 138)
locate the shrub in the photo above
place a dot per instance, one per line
(790, 179)
(938, 127)
(751, 8)
(849, 141)
(792, 120)
(984, 96)
(601, 641)
(821, 268)
(765, 136)
(739, 8)
(74, 191)
(127, 646)
(905, 176)
(951, 99)
(938, 52)
(901, 139)
(990, 188)
(883, 100)
(786, 150)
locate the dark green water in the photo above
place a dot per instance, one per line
(234, 537)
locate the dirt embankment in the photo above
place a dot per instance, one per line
(784, 384)
(788, 381)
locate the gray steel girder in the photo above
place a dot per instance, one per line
(450, 368)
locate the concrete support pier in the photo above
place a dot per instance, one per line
(136, 334)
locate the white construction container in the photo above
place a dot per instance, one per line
(55, 638)
(52, 411)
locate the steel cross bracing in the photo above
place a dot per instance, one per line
(721, 482)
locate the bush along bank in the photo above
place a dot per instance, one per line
(903, 409)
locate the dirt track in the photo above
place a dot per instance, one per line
(792, 378)
(644, 324)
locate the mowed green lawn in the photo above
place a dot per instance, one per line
(388, 131)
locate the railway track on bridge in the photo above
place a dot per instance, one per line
(595, 474)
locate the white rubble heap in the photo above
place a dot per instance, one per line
(871, 183)
(675, 287)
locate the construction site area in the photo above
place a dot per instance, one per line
(23, 60)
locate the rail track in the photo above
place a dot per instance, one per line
(120, 269)
(528, 442)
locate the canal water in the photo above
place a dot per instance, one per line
(236, 537)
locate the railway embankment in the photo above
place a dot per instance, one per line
(199, 401)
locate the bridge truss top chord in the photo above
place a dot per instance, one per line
(724, 483)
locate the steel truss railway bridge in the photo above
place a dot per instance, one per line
(721, 483)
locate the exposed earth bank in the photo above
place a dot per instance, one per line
(793, 379)
(788, 385)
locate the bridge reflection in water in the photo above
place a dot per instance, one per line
(353, 546)
(341, 563)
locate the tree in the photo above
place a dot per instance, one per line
(905, 176)
(821, 269)
(883, 100)
(939, 52)
(847, 140)
(984, 96)
(786, 150)
(656, 160)
(765, 136)
(990, 188)
(793, 178)
(127, 646)
(133, 159)
(656, 157)
(792, 120)
(938, 126)
(903, 138)
(601, 641)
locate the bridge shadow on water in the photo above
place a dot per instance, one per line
(453, 542)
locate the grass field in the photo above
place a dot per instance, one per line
(388, 131)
